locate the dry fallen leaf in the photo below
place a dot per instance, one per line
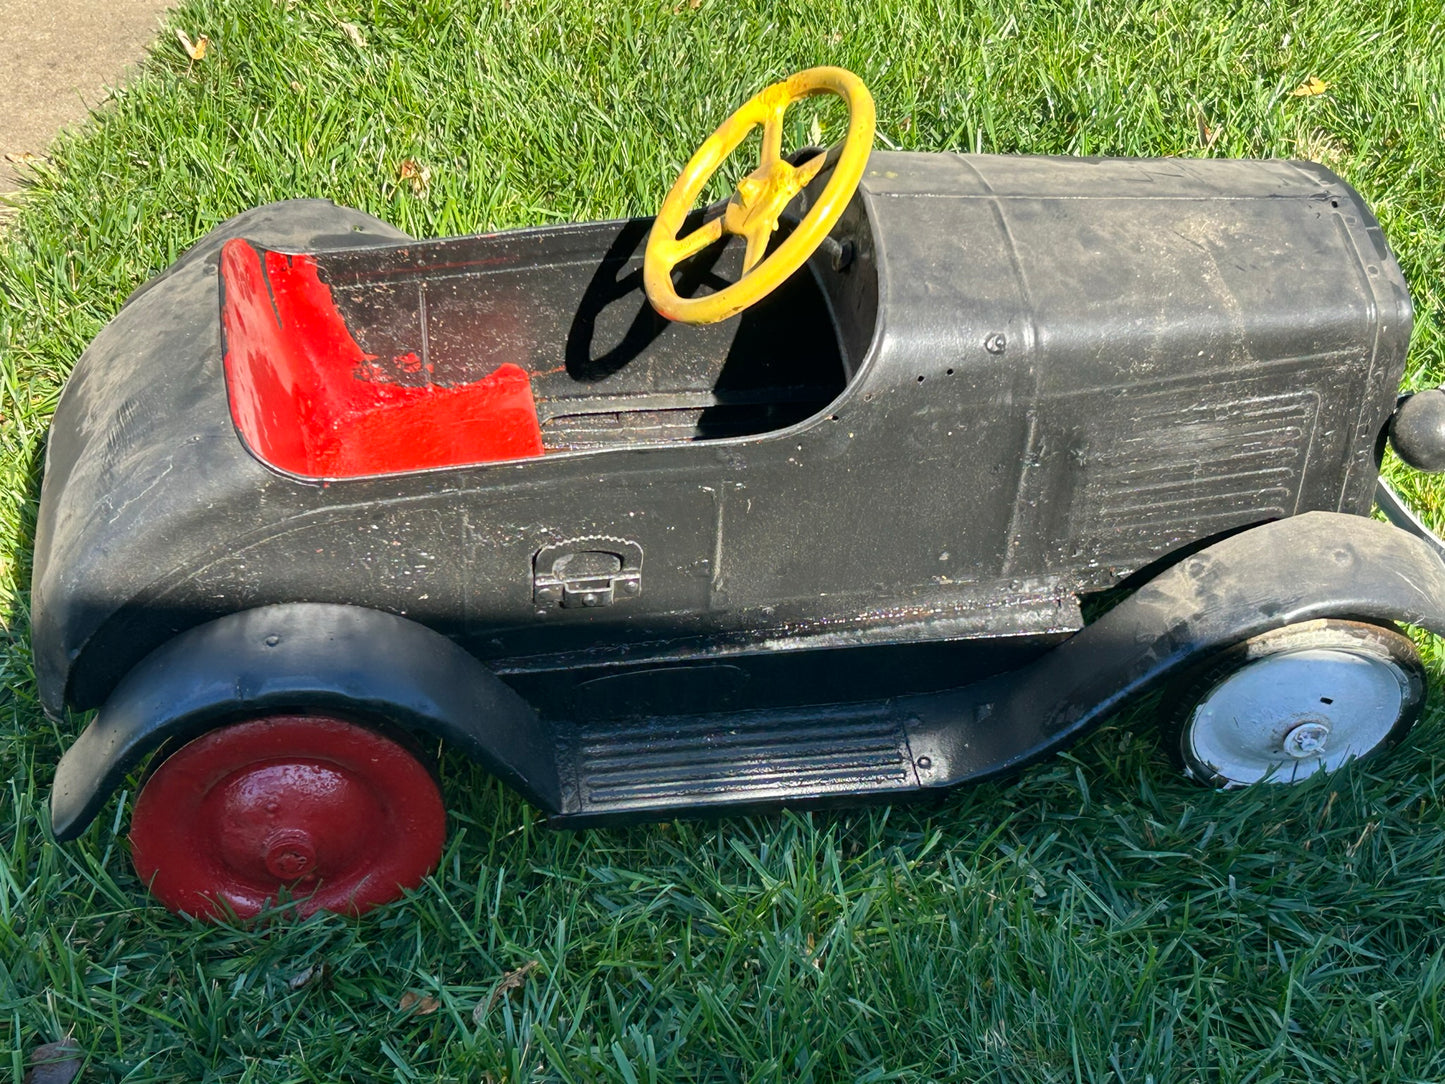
(1207, 132)
(512, 980)
(195, 50)
(419, 176)
(1310, 87)
(55, 1063)
(354, 33)
(411, 1001)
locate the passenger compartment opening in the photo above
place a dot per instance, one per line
(473, 350)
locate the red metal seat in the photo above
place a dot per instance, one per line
(307, 401)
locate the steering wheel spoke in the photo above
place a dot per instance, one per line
(805, 173)
(773, 136)
(757, 239)
(684, 248)
(755, 207)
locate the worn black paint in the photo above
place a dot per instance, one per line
(1034, 378)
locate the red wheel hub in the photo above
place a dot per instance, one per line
(340, 815)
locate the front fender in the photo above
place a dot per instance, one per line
(311, 656)
(1321, 564)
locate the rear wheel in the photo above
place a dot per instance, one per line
(1294, 701)
(336, 814)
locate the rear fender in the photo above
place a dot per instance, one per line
(308, 656)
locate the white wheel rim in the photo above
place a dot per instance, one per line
(1284, 717)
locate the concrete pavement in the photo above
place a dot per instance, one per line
(57, 59)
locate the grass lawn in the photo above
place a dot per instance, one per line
(1097, 919)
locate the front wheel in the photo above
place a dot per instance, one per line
(1294, 701)
(338, 815)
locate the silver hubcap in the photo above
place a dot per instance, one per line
(1286, 716)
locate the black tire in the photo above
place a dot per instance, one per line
(1266, 709)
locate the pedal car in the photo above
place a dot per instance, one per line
(799, 498)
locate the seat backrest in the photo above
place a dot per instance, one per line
(307, 400)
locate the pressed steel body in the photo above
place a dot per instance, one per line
(1003, 385)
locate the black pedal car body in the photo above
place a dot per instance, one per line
(838, 546)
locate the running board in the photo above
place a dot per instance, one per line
(635, 768)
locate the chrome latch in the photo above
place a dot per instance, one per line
(585, 572)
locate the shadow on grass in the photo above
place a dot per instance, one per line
(17, 680)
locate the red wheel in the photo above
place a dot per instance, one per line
(343, 817)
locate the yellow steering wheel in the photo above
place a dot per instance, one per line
(753, 210)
